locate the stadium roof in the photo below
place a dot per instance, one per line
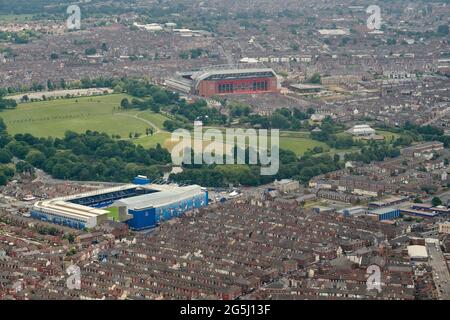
(70, 209)
(160, 198)
(202, 75)
(97, 192)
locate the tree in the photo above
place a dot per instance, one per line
(90, 51)
(50, 85)
(279, 121)
(436, 202)
(184, 55)
(117, 89)
(155, 108)
(5, 156)
(23, 166)
(336, 158)
(3, 179)
(2, 125)
(18, 149)
(125, 103)
(316, 78)
(7, 103)
(295, 47)
(36, 158)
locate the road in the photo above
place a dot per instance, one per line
(226, 54)
(441, 275)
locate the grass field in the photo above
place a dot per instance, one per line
(300, 145)
(8, 18)
(156, 118)
(162, 137)
(53, 118)
(113, 213)
(388, 136)
(298, 142)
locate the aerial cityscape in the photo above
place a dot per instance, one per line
(238, 150)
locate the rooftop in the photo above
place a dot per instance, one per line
(383, 210)
(417, 251)
(160, 198)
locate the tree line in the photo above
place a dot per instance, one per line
(291, 167)
(6, 103)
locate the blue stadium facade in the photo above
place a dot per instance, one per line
(70, 222)
(171, 201)
(146, 218)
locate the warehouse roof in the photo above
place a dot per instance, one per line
(383, 210)
(387, 201)
(418, 252)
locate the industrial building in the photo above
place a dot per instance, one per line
(387, 202)
(304, 88)
(142, 205)
(417, 253)
(424, 210)
(225, 80)
(386, 213)
(353, 211)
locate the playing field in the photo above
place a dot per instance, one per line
(162, 137)
(113, 213)
(300, 145)
(100, 113)
(298, 142)
(388, 136)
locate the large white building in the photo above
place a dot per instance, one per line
(362, 130)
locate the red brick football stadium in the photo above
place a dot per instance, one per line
(211, 82)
